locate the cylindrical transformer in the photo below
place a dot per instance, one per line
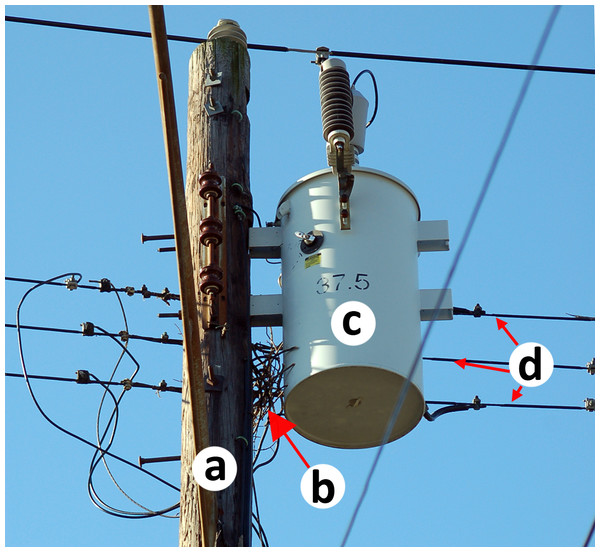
(341, 392)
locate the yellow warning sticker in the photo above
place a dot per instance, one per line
(312, 260)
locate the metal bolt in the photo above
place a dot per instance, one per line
(142, 461)
(157, 237)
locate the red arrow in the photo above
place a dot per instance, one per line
(463, 362)
(280, 426)
(517, 393)
(502, 326)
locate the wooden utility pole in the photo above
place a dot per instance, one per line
(219, 207)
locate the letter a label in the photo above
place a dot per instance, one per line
(214, 468)
(531, 364)
(322, 486)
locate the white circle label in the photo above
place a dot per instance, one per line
(214, 468)
(353, 323)
(531, 364)
(322, 486)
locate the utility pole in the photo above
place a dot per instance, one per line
(219, 209)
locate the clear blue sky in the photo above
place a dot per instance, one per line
(85, 175)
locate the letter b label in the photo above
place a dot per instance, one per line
(323, 486)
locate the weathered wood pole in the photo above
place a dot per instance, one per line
(219, 207)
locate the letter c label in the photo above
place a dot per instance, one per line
(353, 323)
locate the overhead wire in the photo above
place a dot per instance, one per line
(125, 336)
(590, 534)
(62, 429)
(133, 384)
(484, 189)
(501, 363)
(336, 53)
(511, 405)
(100, 457)
(477, 312)
(165, 295)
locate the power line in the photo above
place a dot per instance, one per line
(590, 534)
(125, 383)
(477, 312)
(41, 410)
(486, 184)
(336, 53)
(105, 285)
(511, 405)
(501, 362)
(124, 336)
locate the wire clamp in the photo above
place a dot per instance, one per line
(166, 296)
(124, 335)
(591, 366)
(87, 328)
(476, 403)
(145, 293)
(478, 312)
(130, 291)
(321, 54)
(590, 404)
(105, 285)
(82, 376)
(71, 283)
(127, 384)
(164, 337)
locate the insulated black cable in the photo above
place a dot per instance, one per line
(500, 362)
(511, 405)
(478, 313)
(590, 534)
(41, 410)
(144, 292)
(374, 90)
(337, 53)
(167, 341)
(75, 380)
(496, 159)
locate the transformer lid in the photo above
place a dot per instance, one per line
(356, 170)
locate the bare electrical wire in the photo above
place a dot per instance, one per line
(336, 53)
(486, 184)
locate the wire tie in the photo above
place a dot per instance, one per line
(237, 210)
(237, 186)
(124, 335)
(126, 383)
(243, 438)
(238, 113)
(130, 291)
(164, 337)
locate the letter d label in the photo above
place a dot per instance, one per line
(322, 486)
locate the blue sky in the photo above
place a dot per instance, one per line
(85, 175)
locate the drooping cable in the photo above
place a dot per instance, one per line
(590, 534)
(39, 407)
(336, 53)
(486, 184)
(367, 71)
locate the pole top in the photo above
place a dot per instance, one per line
(228, 28)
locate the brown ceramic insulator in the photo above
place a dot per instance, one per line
(211, 231)
(211, 277)
(210, 185)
